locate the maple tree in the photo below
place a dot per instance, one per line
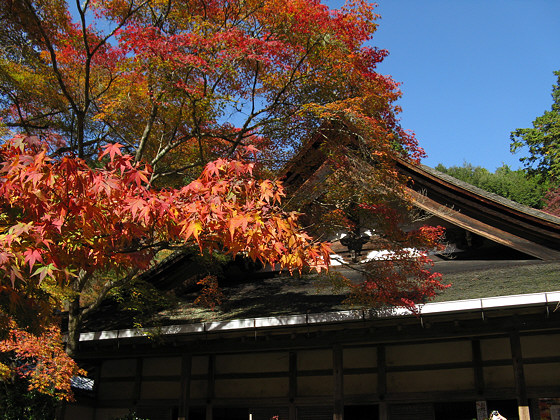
(351, 192)
(42, 360)
(553, 202)
(71, 233)
(184, 86)
(179, 83)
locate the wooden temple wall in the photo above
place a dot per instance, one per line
(434, 379)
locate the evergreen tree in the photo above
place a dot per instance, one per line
(516, 185)
(543, 140)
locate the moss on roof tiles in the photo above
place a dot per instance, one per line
(501, 278)
(282, 295)
(286, 295)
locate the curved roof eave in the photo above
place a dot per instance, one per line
(545, 300)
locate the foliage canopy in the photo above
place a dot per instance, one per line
(542, 140)
(72, 233)
(111, 101)
(180, 83)
(515, 185)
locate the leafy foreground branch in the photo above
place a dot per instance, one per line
(70, 234)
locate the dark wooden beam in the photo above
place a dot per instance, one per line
(477, 367)
(293, 385)
(338, 377)
(210, 386)
(138, 382)
(186, 365)
(381, 372)
(478, 203)
(382, 382)
(96, 384)
(519, 375)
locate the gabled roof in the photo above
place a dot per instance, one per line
(481, 307)
(282, 295)
(522, 228)
(274, 301)
(548, 300)
(498, 219)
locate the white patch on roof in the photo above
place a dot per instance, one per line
(391, 255)
(336, 260)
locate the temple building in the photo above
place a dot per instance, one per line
(286, 348)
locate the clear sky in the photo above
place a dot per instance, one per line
(471, 72)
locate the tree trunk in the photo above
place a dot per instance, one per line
(74, 324)
(80, 132)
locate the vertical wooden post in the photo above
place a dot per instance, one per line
(478, 372)
(477, 367)
(137, 393)
(96, 384)
(210, 389)
(186, 364)
(338, 377)
(293, 385)
(382, 382)
(383, 410)
(519, 375)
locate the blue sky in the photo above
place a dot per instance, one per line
(471, 72)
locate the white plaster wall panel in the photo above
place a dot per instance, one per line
(359, 357)
(199, 389)
(161, 366)
(199, 365)
(78, 412)
(542, 374)
(540, 346)
(431, 353)
(314, 359)
(152, 390)
(308, 386)
(251, 388)
(116, 390)
(118, 368)
(255, 362)
(432, 380)
(499, 377)
(495, 349)
(364, 384)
